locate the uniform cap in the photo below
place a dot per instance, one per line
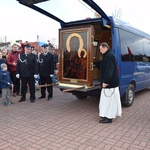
(27, 46)
(45, 45)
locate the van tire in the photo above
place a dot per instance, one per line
(79, 96)
(129, 96)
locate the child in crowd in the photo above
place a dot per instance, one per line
(5, 84)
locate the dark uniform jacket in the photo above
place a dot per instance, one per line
(109, 70)
(27, 66)
(46, 65)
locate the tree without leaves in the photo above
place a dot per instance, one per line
(117, 13)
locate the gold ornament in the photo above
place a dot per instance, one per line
(81, 44)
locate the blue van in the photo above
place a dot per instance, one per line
(81, 33)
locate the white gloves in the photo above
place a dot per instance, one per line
(17, 76)
(51, 75)
(35, 76)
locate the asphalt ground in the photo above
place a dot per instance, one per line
(66, 123)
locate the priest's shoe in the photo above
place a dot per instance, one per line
(106, 120)
(102, 118)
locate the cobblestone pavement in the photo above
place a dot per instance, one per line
(66, 123)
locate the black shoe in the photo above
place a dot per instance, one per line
(103, 118)
(106, 120)
(32, 100)
(22, 99)
(49, 98)
(41, 97)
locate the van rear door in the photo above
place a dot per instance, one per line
(66, 11)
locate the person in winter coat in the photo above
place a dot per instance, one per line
(12, 59)
(5, 84)
(110, 103)
(27, 70)
(46, 71)
(2, 60)
(4, 53)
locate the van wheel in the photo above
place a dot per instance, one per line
(79, 96)
(129, 96)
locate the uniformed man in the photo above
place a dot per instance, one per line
(27, 70)
(46, 71)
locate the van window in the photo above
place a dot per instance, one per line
(146, 50)
(131, 46)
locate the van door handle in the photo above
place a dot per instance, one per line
(92, 39)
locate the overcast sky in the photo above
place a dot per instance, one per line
(20, 22)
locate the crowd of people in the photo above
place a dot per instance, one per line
(21, 67)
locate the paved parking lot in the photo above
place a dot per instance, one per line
(66, 123)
